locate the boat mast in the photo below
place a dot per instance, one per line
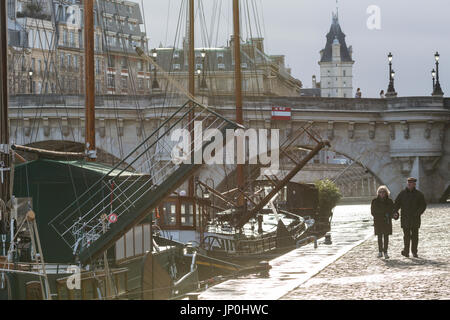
(191, 80)
(238, 90)
(4, 127)
(89, 74)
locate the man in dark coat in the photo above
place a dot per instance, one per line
(412, 204)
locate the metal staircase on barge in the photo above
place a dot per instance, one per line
(124, 197)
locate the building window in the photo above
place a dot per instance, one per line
(141, 84)
(69, 61)
(97, 42)
(98, 67)
(23, 86)
(61, 61)
(140, 66)
(98, 86)
(72, 39)
(124, 83)
(111, 81)
(75, 63)
(65, 39)
(187, 214)
(111, 63)
(111, 41)
(80, 39)
(170, 214)
(344, 73)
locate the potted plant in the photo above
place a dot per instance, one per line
(329, 196)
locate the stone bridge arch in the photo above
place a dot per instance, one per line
(402, 137)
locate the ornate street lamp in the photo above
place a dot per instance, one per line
(437, 88)
(391, 90)
(30, 75)
(199, 74)
(155, 84)
(433, 75)
(203, 83)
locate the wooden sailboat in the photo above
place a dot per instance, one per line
(72, 244)
(231, 234)
(25, 274)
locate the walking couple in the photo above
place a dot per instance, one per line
(412, 204)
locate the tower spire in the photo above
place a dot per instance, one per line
(337, 10)
(336, 14)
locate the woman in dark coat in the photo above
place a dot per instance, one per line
(382, 211)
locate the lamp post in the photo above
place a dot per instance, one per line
(155, 84)
(199, 73)
(203, 83)
(30, 75)
(433, 75)
(391, 90)
(437, 88)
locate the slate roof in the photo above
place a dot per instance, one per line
(336, 33)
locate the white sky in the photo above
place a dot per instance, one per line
(412, 29)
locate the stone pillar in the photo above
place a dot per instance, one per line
(415, 171)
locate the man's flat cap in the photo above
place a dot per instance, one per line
(412, 180)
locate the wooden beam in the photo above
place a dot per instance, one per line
(89, 74)
(238, 89)
(191, 67)
(48, 153)
(4, 125)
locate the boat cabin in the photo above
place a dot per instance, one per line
(298, 198)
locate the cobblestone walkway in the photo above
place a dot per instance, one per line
(360, 275)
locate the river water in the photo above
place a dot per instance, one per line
(351, 225)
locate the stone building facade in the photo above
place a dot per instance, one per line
(47, 47)
(262, 74)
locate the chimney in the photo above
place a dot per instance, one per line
(258, 43)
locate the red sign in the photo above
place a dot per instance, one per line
(112, 218)
(281, 113)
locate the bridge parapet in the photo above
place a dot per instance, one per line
(401, 136)
(296, 103)
(403, 103)
(447, 103)
(310, 103)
